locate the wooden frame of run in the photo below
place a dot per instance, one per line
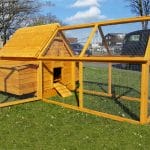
(145, 61)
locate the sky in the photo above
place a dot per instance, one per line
(82, 11)
(85, 11)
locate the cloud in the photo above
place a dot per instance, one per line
(92, 14)
(86, 3)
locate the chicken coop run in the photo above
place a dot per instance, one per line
(108, 75)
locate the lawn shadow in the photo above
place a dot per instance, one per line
(125, 91)
(126, 109)
(7, 97)
(76, 93)
(103, 87)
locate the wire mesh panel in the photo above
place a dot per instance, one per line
(123, 39)
(77, 39)
(112, 90)
(124, 81)
(96, 77)
(126, 39)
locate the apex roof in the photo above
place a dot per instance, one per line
(29, 41)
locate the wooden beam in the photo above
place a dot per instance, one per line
(144, 94)
(40, 80)
(17, 102)
(106, 23)
(99, 59)
(73, 75)
(88, 41)
(81, 84)
(93, 112)
(119, 59)
(148, 121)
(147, 52)
(108, 95)
(109, 78)
(19, 58)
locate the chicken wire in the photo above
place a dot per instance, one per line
(125, 83)
(117, 40)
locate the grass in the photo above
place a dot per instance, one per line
(43, 126)
(124, 83)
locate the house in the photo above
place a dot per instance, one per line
(72, 40)
(114, 39)
(21, 77)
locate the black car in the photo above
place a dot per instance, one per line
(135, 43)
(77, 48)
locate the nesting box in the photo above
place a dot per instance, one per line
(20, 77)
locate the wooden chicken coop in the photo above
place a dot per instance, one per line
(20, 77)
(39, 60)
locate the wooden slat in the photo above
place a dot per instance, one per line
(17, 79)
(62, 90)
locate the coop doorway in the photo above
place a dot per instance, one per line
(57, 74)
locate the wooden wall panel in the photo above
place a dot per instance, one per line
(18, 80)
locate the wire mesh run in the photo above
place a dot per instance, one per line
(116, 40)
(110, 88)
(125, 39)
(114, 90)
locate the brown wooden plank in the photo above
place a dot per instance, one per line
(62, 90)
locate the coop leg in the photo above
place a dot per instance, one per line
(110, 79)
(144, 94)
(40, 81)
(81, 84)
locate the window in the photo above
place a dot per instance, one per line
(134, 38)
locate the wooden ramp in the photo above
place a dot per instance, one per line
(62, 90)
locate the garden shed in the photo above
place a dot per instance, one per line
(20, 77)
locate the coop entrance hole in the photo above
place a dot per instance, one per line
(57, 74)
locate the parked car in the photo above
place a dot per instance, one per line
(135, 44)
(77, 48)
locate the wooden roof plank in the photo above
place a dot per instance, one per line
(29, 41)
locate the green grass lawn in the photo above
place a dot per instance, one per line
(124, 83)
(43, 126)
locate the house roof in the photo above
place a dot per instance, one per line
(29, 41)
(115, 34)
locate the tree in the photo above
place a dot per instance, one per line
(47, 18)
(44, 19)
(19, 13)
(140, 8)
(12, 14)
